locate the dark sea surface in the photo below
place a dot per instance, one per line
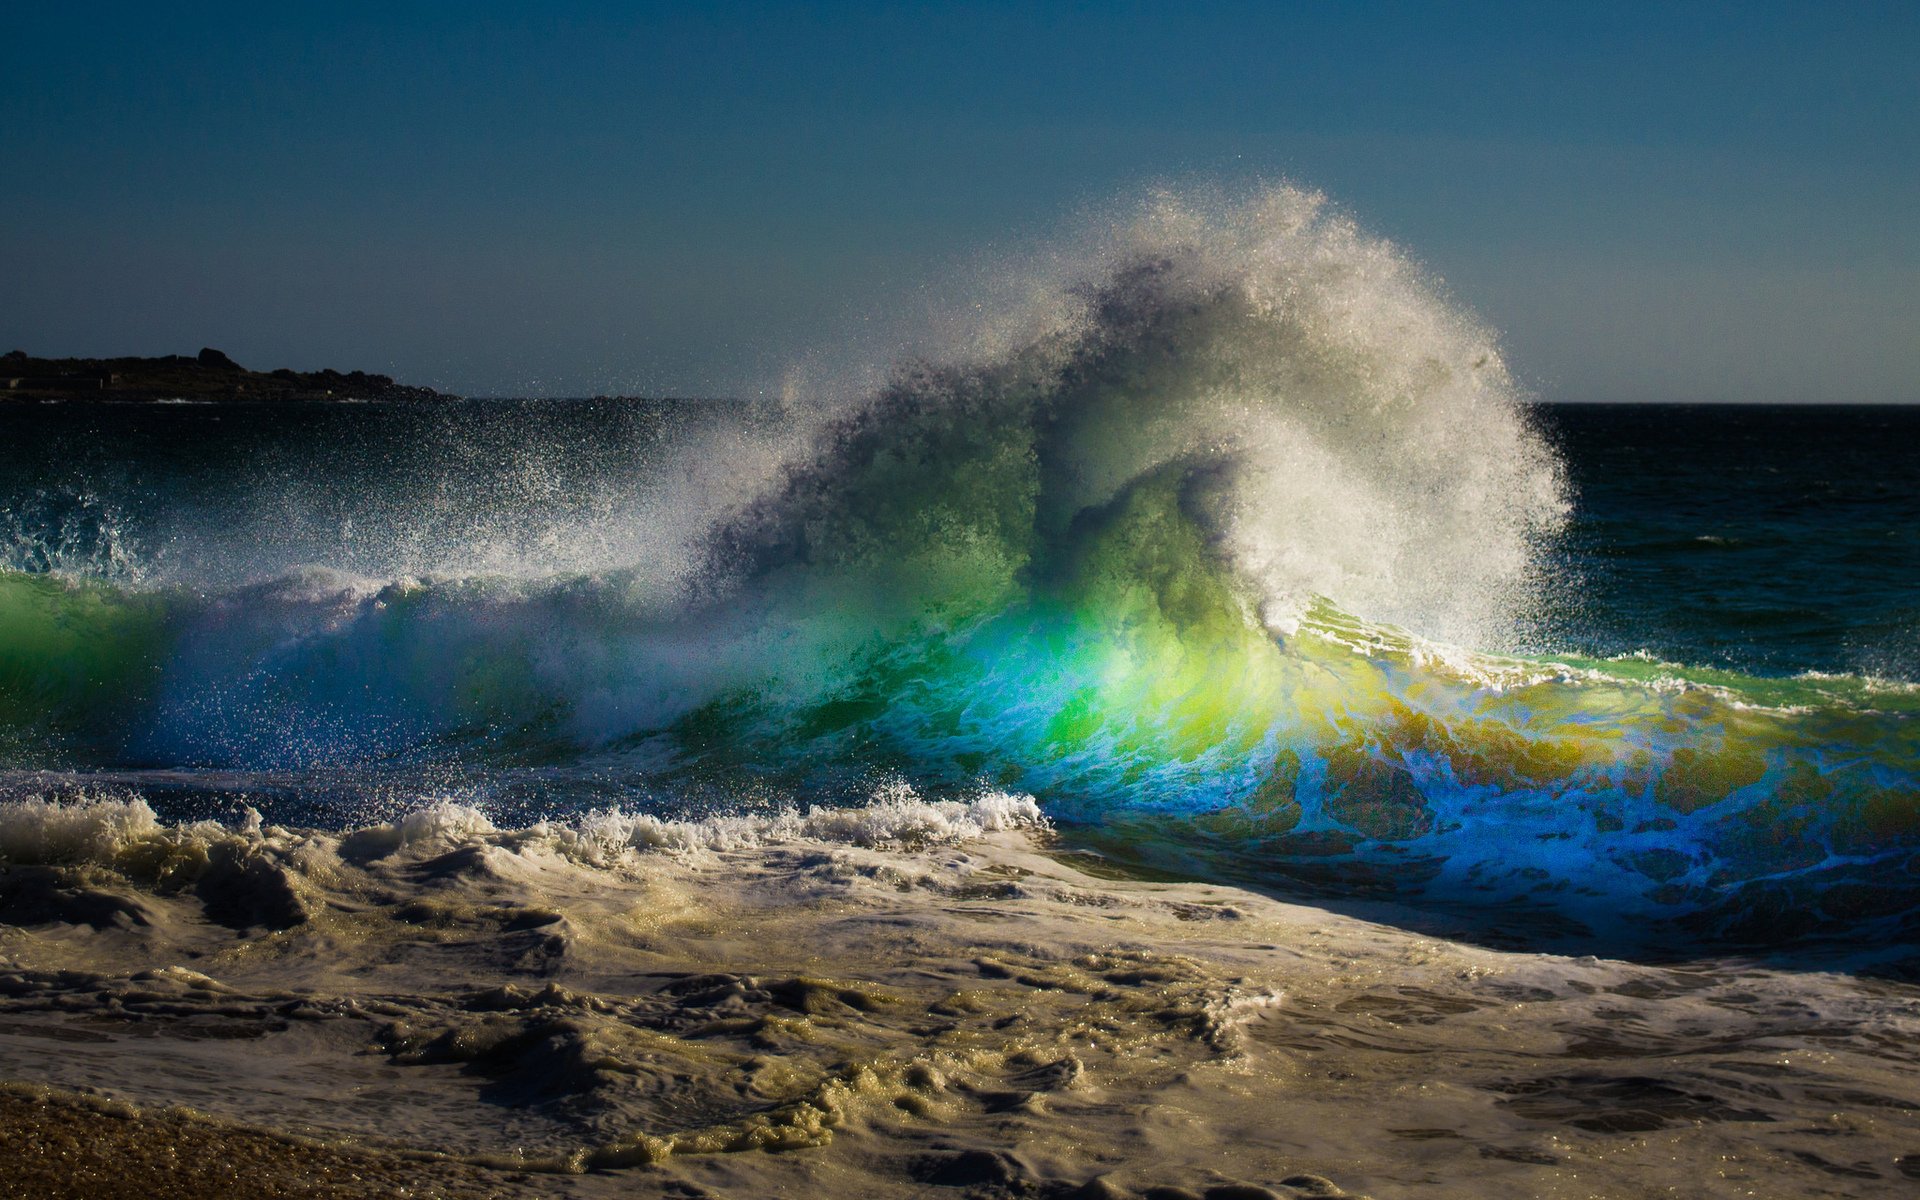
(1763, 539)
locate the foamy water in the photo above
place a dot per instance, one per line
(914, 995)
(669, 779)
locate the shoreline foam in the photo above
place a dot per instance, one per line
(948, 1008)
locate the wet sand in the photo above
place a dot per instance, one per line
(62, 1146)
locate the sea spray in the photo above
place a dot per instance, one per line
(1211, 542)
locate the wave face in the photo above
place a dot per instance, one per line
(1222, 541)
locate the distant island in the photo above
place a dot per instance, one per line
(209, 375)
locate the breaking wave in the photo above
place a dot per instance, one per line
(1221, 540)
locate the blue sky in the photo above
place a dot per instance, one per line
(1689, 202)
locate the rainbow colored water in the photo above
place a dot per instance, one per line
(1231, 541)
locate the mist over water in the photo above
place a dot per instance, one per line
(1227, 536)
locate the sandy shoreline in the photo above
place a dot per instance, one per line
(927, 1003)
(63, 1146)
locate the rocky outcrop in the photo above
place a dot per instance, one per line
(209, 375)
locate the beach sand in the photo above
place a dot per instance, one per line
(61, 1146)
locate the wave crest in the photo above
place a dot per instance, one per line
(1335, 425)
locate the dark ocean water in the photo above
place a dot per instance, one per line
(1763, 539)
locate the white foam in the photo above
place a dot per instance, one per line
(104, 830)
(896, 817)
(83, 830)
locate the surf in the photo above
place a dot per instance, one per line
(1223, 538)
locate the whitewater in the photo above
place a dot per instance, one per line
(1146, 727)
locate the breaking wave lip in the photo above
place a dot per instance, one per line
(1333, 424)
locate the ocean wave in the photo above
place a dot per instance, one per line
(1231, 523)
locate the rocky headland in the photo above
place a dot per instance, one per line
(209, 375)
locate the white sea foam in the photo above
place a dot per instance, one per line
(905, 1019)
(106, 830)
(897, 816)
(84, 829)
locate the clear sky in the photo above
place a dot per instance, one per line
(1676, 201)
